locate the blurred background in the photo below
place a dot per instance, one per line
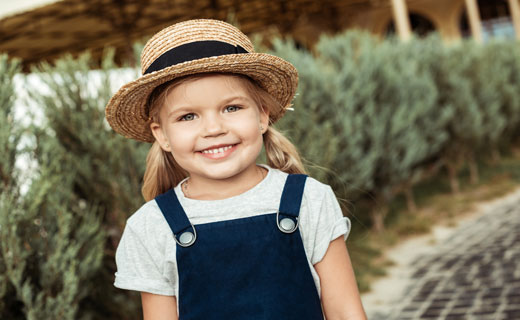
(409, 109)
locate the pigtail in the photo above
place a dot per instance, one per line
(281, 153)
(162, 173)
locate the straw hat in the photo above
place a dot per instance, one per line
(192, 47)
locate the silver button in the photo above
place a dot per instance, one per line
(287, 224)
(186, 237)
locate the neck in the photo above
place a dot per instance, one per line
(209, 189)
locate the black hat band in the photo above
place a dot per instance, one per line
(193, 51)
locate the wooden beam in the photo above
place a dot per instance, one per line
(514, 8)
(474, 20)
(401, 19)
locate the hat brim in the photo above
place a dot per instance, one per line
(127, 110)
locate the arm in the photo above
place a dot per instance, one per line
(339, 292)
(158, 307)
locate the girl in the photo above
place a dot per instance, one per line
(220, 236)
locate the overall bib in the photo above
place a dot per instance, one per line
(249, 268)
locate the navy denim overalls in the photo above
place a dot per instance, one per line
(248, 268)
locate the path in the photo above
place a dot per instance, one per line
(470, 271)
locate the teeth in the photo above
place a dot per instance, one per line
(217, 150)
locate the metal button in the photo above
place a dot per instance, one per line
(287, 224)
(186, 237)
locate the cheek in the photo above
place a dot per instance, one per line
(180, 140)
(249, 130)
(250, 124)
(256, 140)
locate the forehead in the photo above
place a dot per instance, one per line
(210, 84)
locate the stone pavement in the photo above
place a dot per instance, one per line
(473, 273)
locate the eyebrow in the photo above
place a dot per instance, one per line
(233, 98)
(180, 110)
(189, 109)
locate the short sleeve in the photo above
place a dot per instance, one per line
(330, 225)
(140, 265)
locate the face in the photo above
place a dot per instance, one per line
(212, 127)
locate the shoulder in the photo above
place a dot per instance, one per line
(314, 186)
(148, 221)
(316, 192)
(149, 210)
(279, 177)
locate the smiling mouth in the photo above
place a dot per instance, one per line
(218, 150)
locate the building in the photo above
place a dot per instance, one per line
(452, 19)
(58, 26)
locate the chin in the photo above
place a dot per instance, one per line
(223, 174)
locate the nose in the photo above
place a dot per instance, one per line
(214, 126)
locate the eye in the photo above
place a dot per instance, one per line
(232, 108)
(187, 117)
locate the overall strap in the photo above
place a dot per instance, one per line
(292, 195)
(176, 217)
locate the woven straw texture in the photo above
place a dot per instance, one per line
(127, 111)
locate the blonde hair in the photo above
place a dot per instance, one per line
(162, 171)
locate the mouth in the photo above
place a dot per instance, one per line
(219, 151)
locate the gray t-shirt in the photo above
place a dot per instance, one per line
(146, 258)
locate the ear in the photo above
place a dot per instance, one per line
(160, 137)
(264, 119)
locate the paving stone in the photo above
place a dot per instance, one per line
(474, 274)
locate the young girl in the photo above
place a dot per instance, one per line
(220, 236)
